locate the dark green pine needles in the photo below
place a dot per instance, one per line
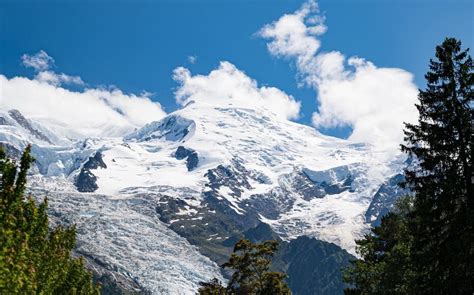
(385, 265)
(429, 249)
(33, 258)
(443, 213)
(250, 264)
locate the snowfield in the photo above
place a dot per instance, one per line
(126, 236)
(290, 176)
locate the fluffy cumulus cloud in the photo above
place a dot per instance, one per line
(42, 63)
(75, 114)
(57, 79)
(351, 91)
(293, 35)
(227, 84)
(374, 101)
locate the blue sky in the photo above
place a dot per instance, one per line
(136, 45)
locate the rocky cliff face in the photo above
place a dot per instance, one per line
(25, 123)
(191, 157)
(86, 181)
(385, 198)
(163, 205)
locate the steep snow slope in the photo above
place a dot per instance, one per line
(127, 238)
(267, 146)
(206, 172)
(122, 237)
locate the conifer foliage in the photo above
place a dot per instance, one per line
(429, 249)
(250, 264)
(441, 142)
(33, 258)
(385, 266)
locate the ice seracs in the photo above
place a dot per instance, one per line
(206, 167)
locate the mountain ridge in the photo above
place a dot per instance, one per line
(210, 172)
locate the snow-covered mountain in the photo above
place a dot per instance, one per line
(157, 207)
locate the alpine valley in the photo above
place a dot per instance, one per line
(159, 207)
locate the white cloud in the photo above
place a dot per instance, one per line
(373, 101)
(78, 114)
(293, 35)
(192, 59)
(42, 63)
(74, 114)
(58, 79)
(227, 84)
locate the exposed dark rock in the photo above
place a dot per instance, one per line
(169, 207)
(206, 228)
(280, 199)
(216, 220)
(192, 161)
(261, 233)
(302, 184)
(86, 180)
(191, 156)
(112, 282)
(235, 177)
(313, 266)
(172, 127)
(385, 198)
(182, 153)
(242, 220)
(23, 122)
(337, 188)
(332, 188)
(270, 205)
(95, 162)
(3, 121)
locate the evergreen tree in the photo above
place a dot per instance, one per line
(250, 264)
(385, 265)
(429, 249)
(441, 143)
(213, 287)
(34, 259)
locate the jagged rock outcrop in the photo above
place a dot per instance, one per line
(23, 122)
(385, 198)
(191, 156)
(172, 128)
(86, 181)
(249, 174)
(314, 266)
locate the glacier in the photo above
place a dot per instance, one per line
(146, 215)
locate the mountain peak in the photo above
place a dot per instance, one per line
(209, 172)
